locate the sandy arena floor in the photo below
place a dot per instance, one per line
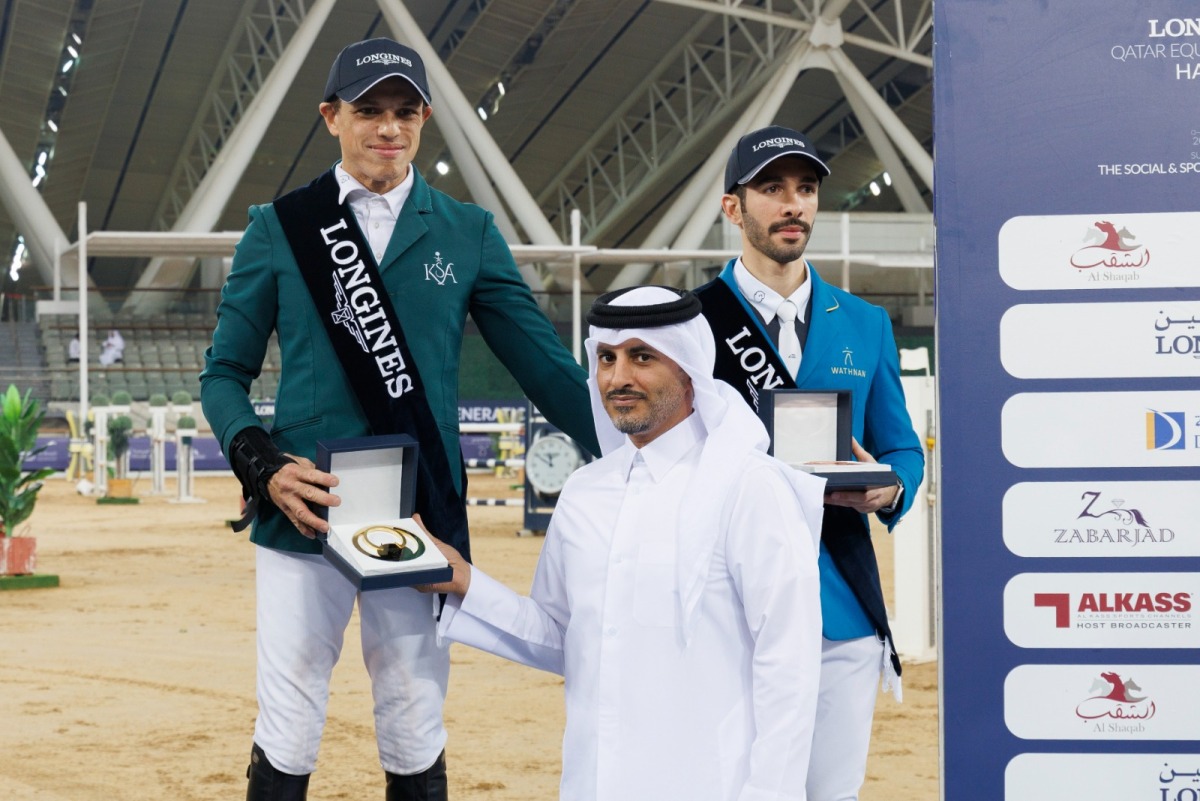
(134, 680)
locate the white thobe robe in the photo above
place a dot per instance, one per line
(726, 715)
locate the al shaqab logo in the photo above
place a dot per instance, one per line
(1107, 247)
(1118, 701)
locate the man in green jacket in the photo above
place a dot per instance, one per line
(366, 276)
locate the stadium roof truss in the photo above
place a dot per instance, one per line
(180, 113)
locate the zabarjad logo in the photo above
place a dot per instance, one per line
(438, 272)
(1115, 523)
(1164, 430)
(1105, 246)
(1117, 512)
(1118, 699)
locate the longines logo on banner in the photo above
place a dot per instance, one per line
(1118, 610)
(358, 309)
(1120, 706)
(1183, 341)
(1115, 524)
(1190, 779)
(1115, 252)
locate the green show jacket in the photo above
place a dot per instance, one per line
(445, 260)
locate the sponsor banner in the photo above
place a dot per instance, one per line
(1106, 250)
(1102, 518)
(1103, 702)
(476, 446)
(1103, 777)
(52, 452)
(1079, 175)
(491, 411)
(1103, 610)
(1102, 429)
(1101, 340)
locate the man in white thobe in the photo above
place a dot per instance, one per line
(673, 592)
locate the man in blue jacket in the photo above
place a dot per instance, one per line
(777, 324)
(366, 276)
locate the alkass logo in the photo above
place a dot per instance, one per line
(1118, 610)
(1105, 246)
(1119, 699)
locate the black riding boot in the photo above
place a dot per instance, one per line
(428, 785)
(270, 784)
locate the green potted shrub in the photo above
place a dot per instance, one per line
(181, 400)
(119, 429)
(186, 428)
(20, 418)
(121, 401)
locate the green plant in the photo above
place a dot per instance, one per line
(20, 418)
(181, 397)
(121, 398)
(158, 399)
(100, 399)
(119, 429)
(186, 422)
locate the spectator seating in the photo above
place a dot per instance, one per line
(163, 353)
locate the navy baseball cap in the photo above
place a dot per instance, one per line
(759, 148)
(363, 64)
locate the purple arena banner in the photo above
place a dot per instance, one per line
(55, 454)
(1067, 202)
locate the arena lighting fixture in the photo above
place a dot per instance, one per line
(887, 179)
(69, 59)
(442, 167)
(874, 189)
(500, 87)
(482, 113)
(18, 261)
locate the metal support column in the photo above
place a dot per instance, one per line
(204, 207)
(482, 191)
(902, 182)
(29, 211)
(690, 217)
(921, 161)
(452, 101)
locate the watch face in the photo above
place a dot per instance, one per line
(549, 462)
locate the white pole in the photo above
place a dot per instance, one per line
(83, 317)
(158, 449)
(576, 288)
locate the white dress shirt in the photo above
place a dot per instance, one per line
(728, 715)
(376, 214)
(766, 300)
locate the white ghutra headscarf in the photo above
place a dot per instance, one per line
(669, 321)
